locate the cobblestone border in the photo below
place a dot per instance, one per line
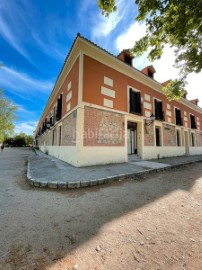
(100, 181)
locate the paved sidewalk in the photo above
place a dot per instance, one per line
(47, 171)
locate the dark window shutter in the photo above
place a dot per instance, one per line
(156, 108)
(59, 108)
(178, 116)
(135, 102)
(193, 123)
(51, 120)
(138, 102)
(160, 109)
(132, 101)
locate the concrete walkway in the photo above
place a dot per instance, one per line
(47, 171)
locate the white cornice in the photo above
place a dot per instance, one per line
(106, 58)
(129, 71)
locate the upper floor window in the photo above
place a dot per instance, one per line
(59, 108)
(54, 116)
(178, 119)
(128, 60)
(150, 74)
(135, 102)
(192, 120)
(159, 114)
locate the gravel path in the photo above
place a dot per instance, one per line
(153, 223)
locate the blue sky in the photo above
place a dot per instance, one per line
(35, 37)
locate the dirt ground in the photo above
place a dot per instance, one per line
(150, 223)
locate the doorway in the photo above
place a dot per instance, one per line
(186, 141)
(132, 138)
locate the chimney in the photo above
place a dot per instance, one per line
(149, 71)
(166, 82)
(195, 101)
(185, 95)
(126, 56)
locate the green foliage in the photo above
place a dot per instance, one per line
(107, 6)
(19, 140)
(173, 22)
(29, 140)
(7, 117)
(174, 90)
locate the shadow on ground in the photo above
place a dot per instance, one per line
(50, 224)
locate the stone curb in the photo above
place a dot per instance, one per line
(100, 181)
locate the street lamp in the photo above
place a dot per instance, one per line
(151, 121)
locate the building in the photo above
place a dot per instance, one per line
(102, 109)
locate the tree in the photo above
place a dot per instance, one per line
(7, 116)
(19, 140)
(173, 22)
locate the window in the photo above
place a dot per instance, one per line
(43, 127)
(192, 119)
(150, 74)
(128, 60)
(135, 102)
(178, 119)
(158, 136)
(51, 121)
(59, 135)
(178, 137)
(192, 139)
(59, 108)
(53, 137)
(159, 115)
(53, 116)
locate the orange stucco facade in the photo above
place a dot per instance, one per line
(72, 77)
(94, 72)
(97, 92)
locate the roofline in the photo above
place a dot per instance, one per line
(79, 36)
(193, 106)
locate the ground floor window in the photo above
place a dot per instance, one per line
(158, 136)
(178, 137)
(53, 137)
(59, 135)
(192, 139)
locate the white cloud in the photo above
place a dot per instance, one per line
(22, 112)
(165, 69)
(12, 79)
(22, 29)
(105, 25)
(7, 33)
(52, 49)
(128, 38)
(194, 87)
(25, 127)
(102, 25)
